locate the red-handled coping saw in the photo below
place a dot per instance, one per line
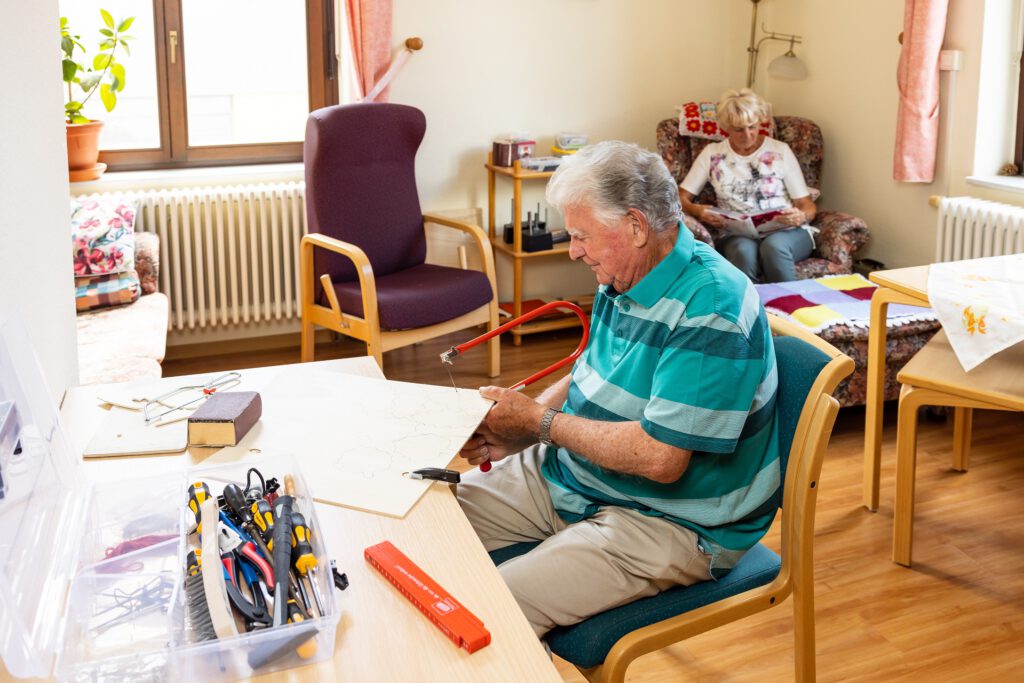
(447, 356)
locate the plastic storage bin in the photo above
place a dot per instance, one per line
(71, 609)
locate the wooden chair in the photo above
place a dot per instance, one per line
(603, 646)
(934, 377)
(363, 264)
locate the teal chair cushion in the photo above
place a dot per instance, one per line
(587, 643)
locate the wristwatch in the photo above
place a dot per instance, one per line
(545, 426)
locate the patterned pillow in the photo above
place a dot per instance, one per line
(700, 120)
(100, 291)
(102, 240)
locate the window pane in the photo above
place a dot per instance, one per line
(245, 71)
(135, 121)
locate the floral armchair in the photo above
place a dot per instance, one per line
(842, 234)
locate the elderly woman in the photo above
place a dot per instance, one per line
(752, 174)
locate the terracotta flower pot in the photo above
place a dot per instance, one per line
(84, 150)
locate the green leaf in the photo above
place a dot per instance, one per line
(66, 46)
(69, 68)
(89, 82)
(108, 97)
(63, 22)
(72, 106)
(125, 25)
(106, 32)
(78, 118)
(126, 50)
(101, 61)
(118, 71)
(107, 44)
(107, 19)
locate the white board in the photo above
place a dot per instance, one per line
(125, 432)
(354, 437)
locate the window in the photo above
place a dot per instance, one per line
(212, 82)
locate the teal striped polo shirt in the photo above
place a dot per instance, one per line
(688, 354)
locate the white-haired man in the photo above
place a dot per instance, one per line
(655, 462)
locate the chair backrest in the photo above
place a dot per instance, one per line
(799, 365)
(809, 370)
(361, 185)
(802, 135)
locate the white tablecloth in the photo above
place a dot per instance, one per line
(980, 304)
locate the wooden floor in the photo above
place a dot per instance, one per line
(957, 615)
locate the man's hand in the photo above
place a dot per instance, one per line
(511, 425)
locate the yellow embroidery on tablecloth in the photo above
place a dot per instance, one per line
(973, 322)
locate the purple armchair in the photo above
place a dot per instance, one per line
(841, 236)
(363, 264)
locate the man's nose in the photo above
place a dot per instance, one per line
(575, 250)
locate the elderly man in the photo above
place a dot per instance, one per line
(655, 462)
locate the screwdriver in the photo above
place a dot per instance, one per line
(263, 517)
(304, 560)
(295, 616)
(197, 493)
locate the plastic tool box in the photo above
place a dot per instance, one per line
(70, 611)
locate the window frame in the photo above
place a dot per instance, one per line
(1018, 145)
(174, 150)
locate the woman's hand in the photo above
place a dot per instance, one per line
(511, 425)
(713, 219)
(792, 216)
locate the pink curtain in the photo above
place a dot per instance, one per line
(917, 123)
(370, 28)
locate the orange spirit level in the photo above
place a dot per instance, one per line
(460, 625)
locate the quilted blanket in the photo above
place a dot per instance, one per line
(833, 300)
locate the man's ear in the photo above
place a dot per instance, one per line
(639, 226)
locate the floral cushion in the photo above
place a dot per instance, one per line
(102, 235)
(101, 291)
(700, 120)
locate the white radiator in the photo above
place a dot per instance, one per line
(228, 255)
(973, 228)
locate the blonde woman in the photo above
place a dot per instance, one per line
(751, 174)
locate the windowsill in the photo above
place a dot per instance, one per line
(121, 181)
(998, 182)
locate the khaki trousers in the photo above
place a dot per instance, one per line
(581, 569)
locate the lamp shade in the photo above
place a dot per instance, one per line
(788, 66)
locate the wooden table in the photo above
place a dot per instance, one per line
(934, 376)
(381, 636)
(896, 286)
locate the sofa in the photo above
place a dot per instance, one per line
(123, 334)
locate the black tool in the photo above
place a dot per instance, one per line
(435, 474)
(282, 556)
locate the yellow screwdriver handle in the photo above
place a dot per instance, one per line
(302, 551)
(263, 518)
(197, 493)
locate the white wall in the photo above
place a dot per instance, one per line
(36, 275)
(851, 51)
(607, 68)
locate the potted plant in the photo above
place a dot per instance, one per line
(105, 76)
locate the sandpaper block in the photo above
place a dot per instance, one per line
(224, 418)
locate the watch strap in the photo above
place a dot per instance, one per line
(545, 426)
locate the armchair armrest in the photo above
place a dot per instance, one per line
(147, 261)
(479, 238)
(704, 233)
(367, 282)
(842, 236)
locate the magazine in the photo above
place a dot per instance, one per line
(752, 225)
